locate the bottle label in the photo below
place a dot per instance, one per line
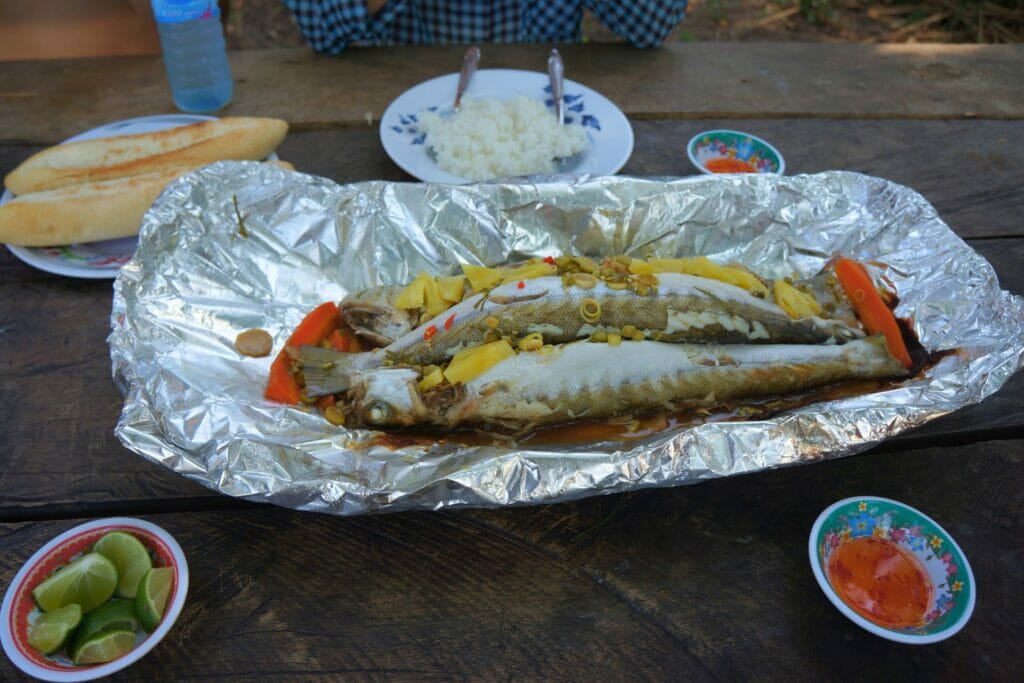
(175, 11)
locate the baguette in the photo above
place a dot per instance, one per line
(197, 144)
(100, 210)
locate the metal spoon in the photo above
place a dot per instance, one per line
(469, 64)
(556, 72)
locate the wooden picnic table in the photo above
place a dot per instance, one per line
(699, 582)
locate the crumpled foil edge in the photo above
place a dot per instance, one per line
(193, 405)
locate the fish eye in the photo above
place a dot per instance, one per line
(378, 412)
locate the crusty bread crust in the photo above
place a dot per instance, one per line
(100, 210)
(230, 138)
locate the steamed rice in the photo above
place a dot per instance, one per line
(497, 138)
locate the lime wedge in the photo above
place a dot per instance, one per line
(88, 582)
(105, 646)
(116, 615)
(129, 556)
(152, 598)
(50, 630)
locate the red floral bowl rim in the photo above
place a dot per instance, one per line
(18, 602)
(908, 638)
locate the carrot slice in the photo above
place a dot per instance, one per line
(870, 307)
(313, 329)
(281, 386)
(344, 341)
(339, 342)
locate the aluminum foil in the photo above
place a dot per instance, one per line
(194, 405)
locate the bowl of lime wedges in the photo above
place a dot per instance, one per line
(94, 600)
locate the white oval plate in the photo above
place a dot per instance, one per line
(608, 129)
(99, 260)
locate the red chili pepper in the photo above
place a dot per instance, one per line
(429, 333)
(549, 259)
(449, 321)
(521, 285)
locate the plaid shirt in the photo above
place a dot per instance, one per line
(330, 25)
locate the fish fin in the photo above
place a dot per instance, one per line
(506, 300)
(327, 371)
(371, 336)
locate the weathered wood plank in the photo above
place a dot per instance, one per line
(969, 170)
(974, 182)
(45, 101)
(698, 583)
(60, 406)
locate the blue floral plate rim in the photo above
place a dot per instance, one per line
(607, 127)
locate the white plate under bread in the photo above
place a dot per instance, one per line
(89, 193)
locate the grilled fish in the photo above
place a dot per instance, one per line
(584, 380)
(683, 308)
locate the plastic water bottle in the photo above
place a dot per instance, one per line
(197, 62)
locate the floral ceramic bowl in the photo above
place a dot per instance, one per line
(731, 151)
(930, 600)
(20, 611)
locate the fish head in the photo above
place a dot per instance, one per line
(373, 316)
(387, 397)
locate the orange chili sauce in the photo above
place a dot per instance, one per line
(726, 165)
(881, 581)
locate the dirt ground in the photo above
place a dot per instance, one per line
(267, 23)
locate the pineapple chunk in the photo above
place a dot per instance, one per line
(481, 278)
(473, 362)
(794, 302)
(452, 287)
(701, 266)
(529, 271)
(432, 299)
(431, 380)
(640, 267)
(413, 295)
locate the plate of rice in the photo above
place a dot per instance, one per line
(505, 127)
